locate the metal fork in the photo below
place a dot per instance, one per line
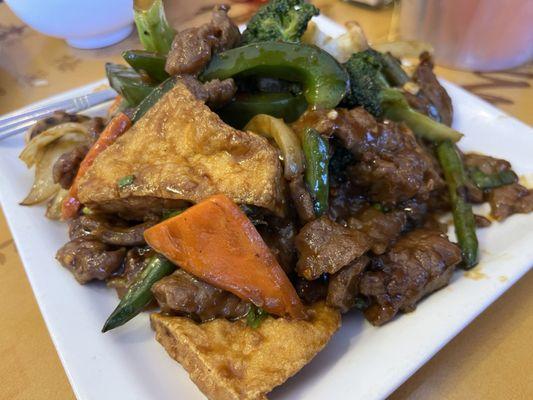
(19, 123)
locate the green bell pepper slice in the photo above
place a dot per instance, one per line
(324, 81)
(128, 83)
(147, 63)
(245, 106)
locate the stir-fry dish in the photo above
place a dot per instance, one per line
(249, 188)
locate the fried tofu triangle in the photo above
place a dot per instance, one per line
(232, 361)
(181, 152)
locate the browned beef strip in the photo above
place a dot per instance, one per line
(214, 93)
(420, 262)
(381, 228)
(95, 227)
(219, 93)
(432, 89)
(415, 211)
(325, 247)
(345, 198)
(396, 170)
(301, 199)
(510, 199)
(183, 294)
(344, 285)
(135, 261)
(312, 291)
(90, 259)
(194, 86)
(279, 235)
(192, 48)
(391, 165)
(190, 52)
(66, 167)
(474, 194)
(421, 103)
(432, 222)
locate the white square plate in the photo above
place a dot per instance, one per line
(360, 362)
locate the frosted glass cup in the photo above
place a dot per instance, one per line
(482, 35)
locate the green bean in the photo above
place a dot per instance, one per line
(490, 181)
(463, 217)
(397, 109)
(316, 152)
(154, 31)
(393, 70)
(139, 294)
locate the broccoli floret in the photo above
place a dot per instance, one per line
(371, 76)
(366, 81)
(279, 20)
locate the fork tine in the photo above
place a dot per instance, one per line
(16, 129)
(35, 110)
(5, 135)
(23, 125)
(18, 123)
(78, 103)
(13, 121)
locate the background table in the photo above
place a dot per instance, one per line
(490, 359)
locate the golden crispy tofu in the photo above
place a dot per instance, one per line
(182, 151)
(231, 361)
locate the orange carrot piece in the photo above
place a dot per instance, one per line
(115, 128)
(114, 106)
(216, 242)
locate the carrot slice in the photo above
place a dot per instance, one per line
(216, 242)
(115, 128)
(115, 105)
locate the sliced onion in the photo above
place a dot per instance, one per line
(354, 40)
(43, 184)
(44, 150)
(341, 47)
(285, 138)
(30, 155)
(53, 209)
